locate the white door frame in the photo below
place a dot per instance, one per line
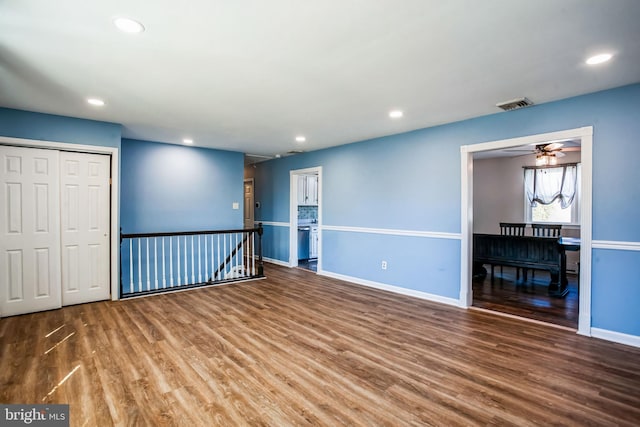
(585, 134)
(115, 192)
(293, 214)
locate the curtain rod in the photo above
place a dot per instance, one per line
(550, 166)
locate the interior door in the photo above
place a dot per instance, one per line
(30, 231)
(248, 204)
(85, 235)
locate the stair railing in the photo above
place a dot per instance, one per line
(160, 262)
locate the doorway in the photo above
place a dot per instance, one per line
(305, 213)
(584, 137)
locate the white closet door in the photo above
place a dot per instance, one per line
(84, 185)
(29, 231)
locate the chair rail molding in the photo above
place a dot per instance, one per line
(394, 232)
(616, 245)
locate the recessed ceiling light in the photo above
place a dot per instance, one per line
(187, 141)
(599, 59)
(95, 101)
(301, 138)
(395, 114)
(128, 25)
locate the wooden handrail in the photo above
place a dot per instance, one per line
(187, 233)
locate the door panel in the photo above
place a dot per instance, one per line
(29, 231)
(85, 227)
(248, 204)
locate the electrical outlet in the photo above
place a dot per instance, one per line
(384, 265)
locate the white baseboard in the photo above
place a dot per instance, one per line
(632, 340)
(391, 288)
(276, 261)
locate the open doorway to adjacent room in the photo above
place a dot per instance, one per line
(305, 218)
(496, 181)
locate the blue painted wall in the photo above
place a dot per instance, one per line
(168, 188)
(48, 127)
(411, 181)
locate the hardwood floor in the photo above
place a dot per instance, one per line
(528, 299)
(300, 349)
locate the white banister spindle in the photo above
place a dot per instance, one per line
(199, 262)
(234, 261)
(178, 260)
(186, 266)
(233, 244)
(248, 253)
(218, 253)
(147, 262)
(164, 275)
(224, 254)
(131, 288)
(213, 263)
(242, 262)
(170, 261)
(253, 253)
(247, 261)
(139, 265)
(206, 259)
(155, 261)
(193, 273)
(239, 254)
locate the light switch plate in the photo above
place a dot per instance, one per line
(236, 205)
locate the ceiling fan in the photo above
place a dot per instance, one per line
(547, 154)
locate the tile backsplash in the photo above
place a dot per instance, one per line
(308, 212)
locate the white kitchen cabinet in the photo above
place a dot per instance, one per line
(313, 242)
(307, 190)
(302, 189)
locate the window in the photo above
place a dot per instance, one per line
(552, 194)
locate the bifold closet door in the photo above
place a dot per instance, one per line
(85, 235)
(29, 231)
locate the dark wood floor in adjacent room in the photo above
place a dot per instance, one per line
(527, 299)
(300, 349)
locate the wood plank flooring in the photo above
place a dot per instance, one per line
(300, 349)
(528, 299)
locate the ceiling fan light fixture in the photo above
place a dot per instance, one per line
(546, 159)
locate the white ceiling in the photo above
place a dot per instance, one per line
(250, 75)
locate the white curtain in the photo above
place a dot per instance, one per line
(545, 185)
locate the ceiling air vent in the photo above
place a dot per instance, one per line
(295, 152)
(514, 104)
